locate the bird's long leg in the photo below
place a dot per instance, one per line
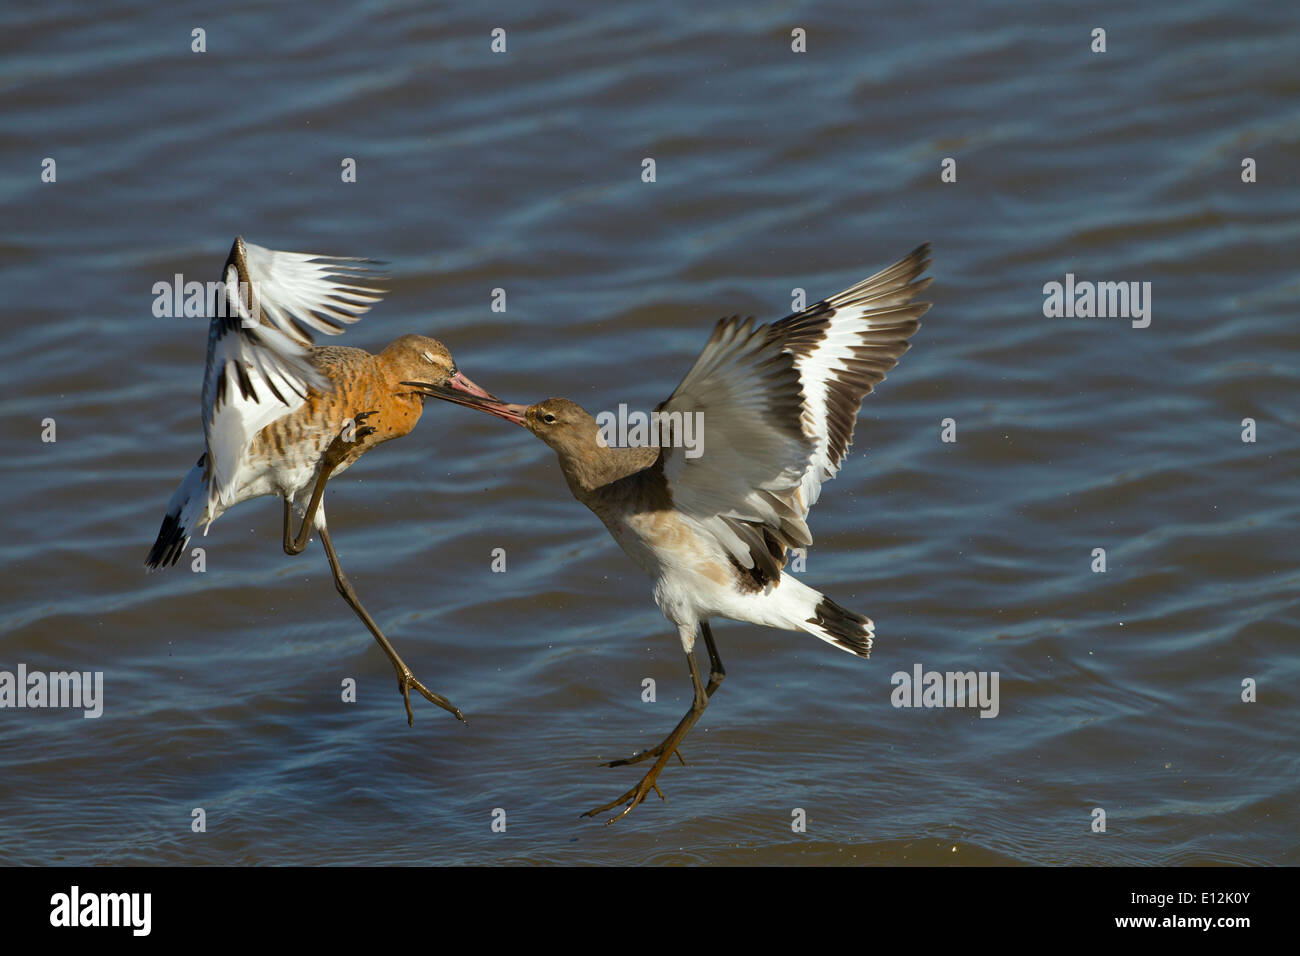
(716, 675)
(296, 545)
(405, 679)
(669, 747)
(334, 455)
(716, 671)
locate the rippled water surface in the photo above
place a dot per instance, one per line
(775, 170)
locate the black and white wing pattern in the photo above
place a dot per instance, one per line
(778, 404)
(842, 348)
(259, 362)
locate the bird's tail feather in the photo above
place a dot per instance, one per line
(845, 629)
(792, 605)
(184, 512)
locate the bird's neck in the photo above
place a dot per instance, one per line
(595, 467)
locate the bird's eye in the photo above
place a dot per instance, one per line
(548, 418)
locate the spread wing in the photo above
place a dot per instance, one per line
(842, 348)
(777, 406)
(259, 360)
(752, 449)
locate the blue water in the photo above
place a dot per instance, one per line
(775, 170)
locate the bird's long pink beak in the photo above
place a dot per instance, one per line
(461, 391)
(463, 384)
(511, 413)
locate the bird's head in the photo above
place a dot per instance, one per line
(563, 424)
(420, 360)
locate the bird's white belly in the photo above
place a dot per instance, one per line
(292, 478)
(693, 576)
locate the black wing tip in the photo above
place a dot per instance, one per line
(920, 256)
(915, 262)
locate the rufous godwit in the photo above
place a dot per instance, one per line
(281, 417)
(713, 524)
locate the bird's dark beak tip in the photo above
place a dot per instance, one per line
(485, 402)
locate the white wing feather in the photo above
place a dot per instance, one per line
(259, 366)
(842, 348)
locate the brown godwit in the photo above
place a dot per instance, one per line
(713, 524)
(281, 417)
